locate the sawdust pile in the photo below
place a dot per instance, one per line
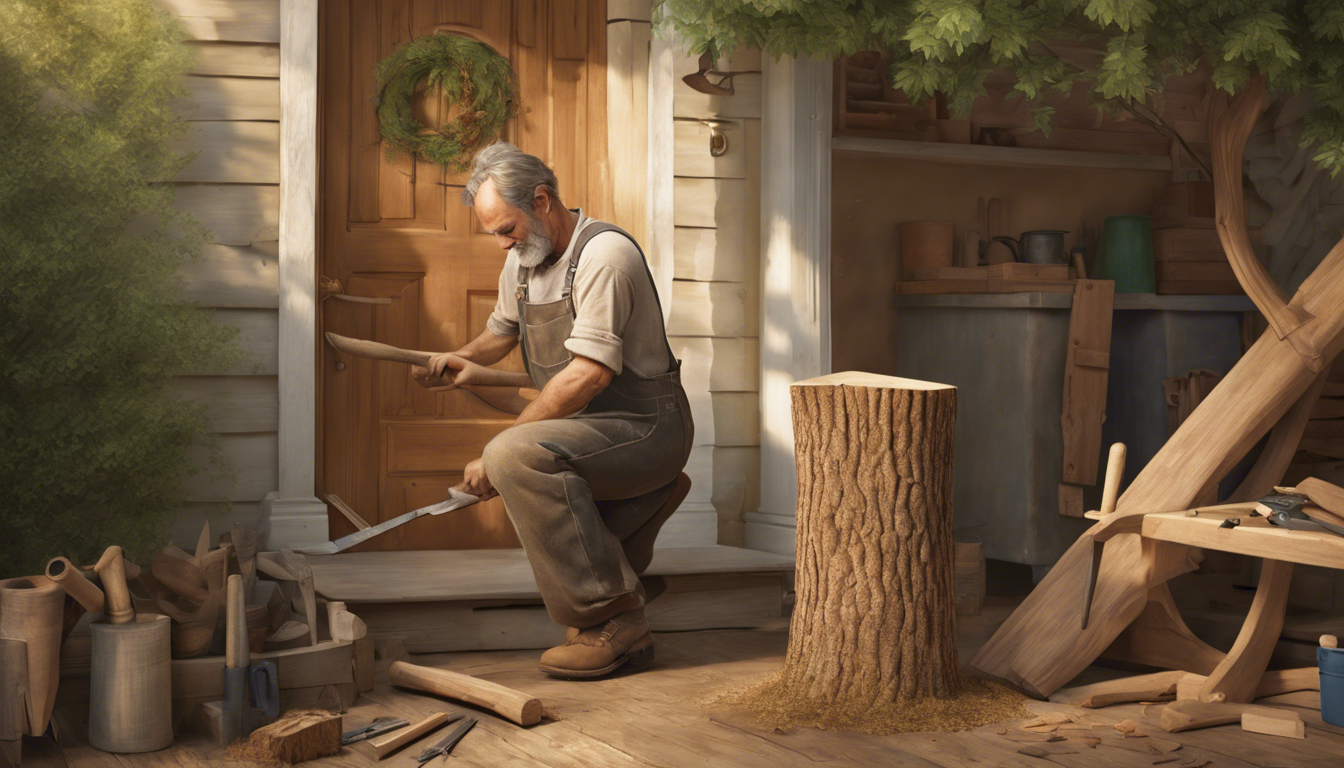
(774, 704)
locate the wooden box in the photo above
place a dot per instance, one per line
(1184, 204)
(1190, 261)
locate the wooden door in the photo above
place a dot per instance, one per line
(395, 230)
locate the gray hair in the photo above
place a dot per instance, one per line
(516, 174)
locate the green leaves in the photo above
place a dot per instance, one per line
(1126, 14)
(1124, 72)
(92, 326)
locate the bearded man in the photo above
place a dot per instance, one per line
(592, 468)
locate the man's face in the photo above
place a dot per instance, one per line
(521, 232)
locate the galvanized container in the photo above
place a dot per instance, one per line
(130, 686)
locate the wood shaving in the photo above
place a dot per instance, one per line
(1091, 741)
(1057, 718)
(1168, 759)
(1126, 726)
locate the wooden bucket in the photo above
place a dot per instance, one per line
(926, 245)
(130, 685)
(32, 609)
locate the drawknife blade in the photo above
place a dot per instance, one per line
(456, 500)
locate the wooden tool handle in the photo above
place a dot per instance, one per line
(117, 598)
(1115, 469)
(236, 652)
(514, 705)
(375, 350)
(63, 572)
(386, 745)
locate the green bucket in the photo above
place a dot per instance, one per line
(1127, 254)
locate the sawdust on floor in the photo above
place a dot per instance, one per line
(773, 704)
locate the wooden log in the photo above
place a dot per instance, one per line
(514, 705)
(1152, 687)
(1273, 683)
(386, 745)
(32, 610)
(873, 453)
(297, 738)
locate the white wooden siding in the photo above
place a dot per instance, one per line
(233, 104)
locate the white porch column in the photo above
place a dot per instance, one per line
(795, 274)
(293, 516)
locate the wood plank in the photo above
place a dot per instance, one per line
(327, 663)
(235, 59)
(707, 253)
(232, 152)
(715, 364)
(423, 447)
(635, 10)
(1084, 406)
(499, 574)
(235, 404)
(708, 309)
(258, 335)
(254, 21)
(229, 98)
(1328, 495)
(710, 202)
(232, 277)
(249, 470)
(628, 123)
(693, 156)
(1286, 724)
(1254, 537)
(186, 526)
(235, 214)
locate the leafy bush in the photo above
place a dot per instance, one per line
(92, 324)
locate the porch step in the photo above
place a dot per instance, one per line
(463, 600)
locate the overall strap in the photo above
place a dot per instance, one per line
(588, 233)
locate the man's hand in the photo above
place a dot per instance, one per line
(446, 371)
(474, 480)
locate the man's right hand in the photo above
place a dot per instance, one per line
(446, 371)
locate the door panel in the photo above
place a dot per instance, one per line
(395, 228)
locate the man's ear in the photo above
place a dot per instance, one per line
(541, 200)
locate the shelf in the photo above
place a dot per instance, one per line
(1011, 157)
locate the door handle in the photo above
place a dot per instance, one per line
(330, 288)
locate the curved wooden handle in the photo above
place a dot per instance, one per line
(112, 569)
(85, 592)
(514, 705)
(1228, 134)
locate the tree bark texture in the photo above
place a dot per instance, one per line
(875, 615)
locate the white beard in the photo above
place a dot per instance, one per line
(535, 248)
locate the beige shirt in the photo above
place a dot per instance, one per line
(617, 319)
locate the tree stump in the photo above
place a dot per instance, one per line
(874, 621)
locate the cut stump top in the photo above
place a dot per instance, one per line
(870, 380)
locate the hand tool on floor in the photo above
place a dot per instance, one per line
(251, 691)
(1110, 491)
(378, 727)
(392, 742)
(456, 500)
(446, 745)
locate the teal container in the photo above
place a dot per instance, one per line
(1331, 662)
(1127, 254)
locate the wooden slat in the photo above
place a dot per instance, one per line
(746, 98)
(259, 331)
(628, 123)
(1254, 537)
(236, 59)
(711, 364)
(232, 152)
(708, 309)
(709, 202)
(638, 10)
(1084, 406)
(737, 481)
(232, 277)
(229, 98)
(251, 462)
(236, 404)
(694, 159)
(185, 529)
(726, 418)
(235, 214)
(707, 253)
(396, 174)
(569, 29)
(256, 21)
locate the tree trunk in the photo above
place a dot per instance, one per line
(875, 617)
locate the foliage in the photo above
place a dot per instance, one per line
(951, 45)
(93, 447)
(469, 73)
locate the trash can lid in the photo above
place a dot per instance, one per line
(1331, 660)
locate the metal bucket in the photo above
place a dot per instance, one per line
(130, 686)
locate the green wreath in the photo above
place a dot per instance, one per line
(470, 73)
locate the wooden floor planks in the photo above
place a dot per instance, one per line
(661, 718)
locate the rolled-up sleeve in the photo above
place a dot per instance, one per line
(604, 299)
(503, 321)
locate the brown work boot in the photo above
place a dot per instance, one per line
(622, 641)
(639, 546)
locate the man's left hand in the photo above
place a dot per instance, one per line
(475, 481)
